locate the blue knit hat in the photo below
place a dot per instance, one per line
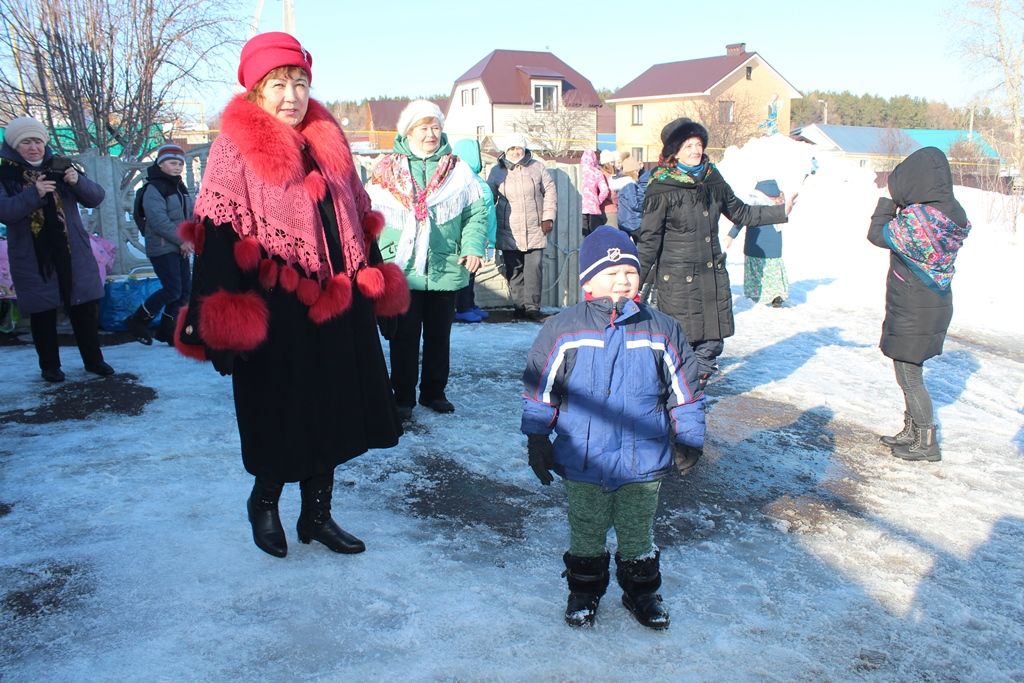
(606, 247)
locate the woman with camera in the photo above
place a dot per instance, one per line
(51, 259)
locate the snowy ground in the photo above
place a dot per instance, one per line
(799, 550)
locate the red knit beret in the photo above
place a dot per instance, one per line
(267, 51)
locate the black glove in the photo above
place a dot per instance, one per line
(686, 457)
(541, 457)
(223, 361)
(388, 327)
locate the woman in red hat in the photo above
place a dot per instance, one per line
(286, 289)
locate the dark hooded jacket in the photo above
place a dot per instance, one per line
(678, 245)
(37, 288)
(916, 316)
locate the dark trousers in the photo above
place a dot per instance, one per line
(910, 377)
(522, 269)
(85, 322)
(465, 299)
(707, 352)
(175, 276)
(591, 221)
(431, 315)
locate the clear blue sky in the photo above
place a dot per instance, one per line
(402, 48)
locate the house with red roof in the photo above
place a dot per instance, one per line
(534, 93)
(735, 96)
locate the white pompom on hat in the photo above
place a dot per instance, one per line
(22, 128)
(416, 111)
(609, 156)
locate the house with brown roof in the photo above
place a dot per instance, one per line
(382, 117)
(534, 93)
(735, 96)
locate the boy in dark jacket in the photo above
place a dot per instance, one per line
(615, 380)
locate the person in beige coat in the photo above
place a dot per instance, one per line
(525, 200)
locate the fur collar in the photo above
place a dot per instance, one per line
(274, 150)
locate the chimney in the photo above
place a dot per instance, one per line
(735, 49)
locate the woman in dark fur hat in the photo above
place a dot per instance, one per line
(678, 239)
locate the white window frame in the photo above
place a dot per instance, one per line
(638, 114)
(539, 92)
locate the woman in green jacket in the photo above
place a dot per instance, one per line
(436, 232)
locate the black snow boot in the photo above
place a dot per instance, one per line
(588, 580)
(640, 580)
(905, 437)
(315, 523)
(267, 531)
(138, 324)
(925, 446)
(165, 332)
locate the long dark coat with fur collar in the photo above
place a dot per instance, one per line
(311, 387)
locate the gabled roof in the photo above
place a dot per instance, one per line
(506, 74)
(876, 140)
(384, 113)
(690, 77)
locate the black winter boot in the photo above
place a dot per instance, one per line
(640, 581)
(165, 332)
(903, 438)
(588, 580)
(267, 531)
(315, 523)
(138, 324)
(925, 446)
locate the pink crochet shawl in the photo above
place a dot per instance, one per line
(255, 179)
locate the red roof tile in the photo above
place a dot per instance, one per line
(505, 75)
(678, 78)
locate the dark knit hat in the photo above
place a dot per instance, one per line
(266, 52)
(606, 247)
(679, 131)
(169, 151)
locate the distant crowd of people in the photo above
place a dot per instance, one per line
(285, 272)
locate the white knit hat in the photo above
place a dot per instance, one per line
(513, 140)
(22, 128)
(416, 111)
(608, 156)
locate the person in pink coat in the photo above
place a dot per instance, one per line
(594, 189)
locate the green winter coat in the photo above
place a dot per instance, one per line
(465, 235)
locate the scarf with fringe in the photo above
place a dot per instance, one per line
(927, 241)
(257, 180)
(411, 209)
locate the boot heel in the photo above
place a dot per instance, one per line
(305, 539)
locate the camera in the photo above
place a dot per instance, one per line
(58, 166)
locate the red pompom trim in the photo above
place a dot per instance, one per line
(233, 322)
(268, 273)
(371, 282)
(193, 231)
(193, 351)
(395, 299)
(288, 278)
(308, 291)
(373, 223)
(247, 253)
(315, 185)
(335, 300)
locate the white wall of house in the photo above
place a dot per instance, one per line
(469, 113)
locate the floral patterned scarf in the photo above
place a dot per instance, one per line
(927, 241)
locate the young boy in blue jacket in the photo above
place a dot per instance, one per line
(616, 381)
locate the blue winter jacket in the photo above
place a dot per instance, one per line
(631, 203)
(618, 390)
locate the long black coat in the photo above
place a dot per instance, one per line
(312, 396)
(916, 316)
(678, 245)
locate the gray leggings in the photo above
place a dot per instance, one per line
(910, 377)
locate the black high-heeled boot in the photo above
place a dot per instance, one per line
(315, 523)
(267, 532)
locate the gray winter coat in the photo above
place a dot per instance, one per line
(18, 202)
(524, 196)
(166, 203)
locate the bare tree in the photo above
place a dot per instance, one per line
(562, 131)
(994, 37)
(895, 145)
(110, 72)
